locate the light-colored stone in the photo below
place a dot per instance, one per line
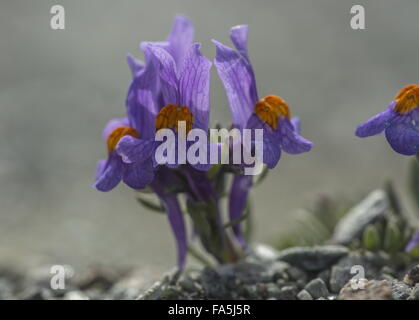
(368, 211)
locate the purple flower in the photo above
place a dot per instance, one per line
(271, 113)
(184, 79)
(413, 243)
(135, 65)
(142, 105)
(111, 171)
(400, 122)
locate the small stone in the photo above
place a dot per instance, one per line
(414, 295)
(273, 291)
(214, 284)
(386, 277)
(315, 258)
(281, 283)
(339, 276)
(401, 291)
(36, 293)
(6, 289)
(412, 277)
(363, 264)
(99, 277)
(249, 292)
(325, 275)
(297, 274)
(372, 290)
(265, 252)
(387, 270)
(159, 289)
(187, 284)
(75, 295)
(129, 287)
(247, 272)
(317, 288)
(304, 295)
(370, 210)
(277, 270)
(288, 293)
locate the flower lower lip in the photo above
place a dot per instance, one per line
(175, 149)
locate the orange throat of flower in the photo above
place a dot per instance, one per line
(170, 116)
(407, 99)
(270, 108)
(117, 134)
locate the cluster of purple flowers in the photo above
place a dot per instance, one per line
(173, 85)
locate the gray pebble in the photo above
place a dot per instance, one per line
(412, 277)
(414, 295)
(370, 210)
(304, 295)
(315, 258)
(400, 290)
(288, 293)
(75, 295)
(297, 274)
(187, 284)
(317, 288)
(339, 276)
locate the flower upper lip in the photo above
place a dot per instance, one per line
(407, 99)
(270, 108)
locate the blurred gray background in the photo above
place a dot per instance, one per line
(59, 88)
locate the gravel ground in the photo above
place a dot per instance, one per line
(319, 273)
(303, 273)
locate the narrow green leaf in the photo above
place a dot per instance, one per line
(414, 253)
(392, 197)
(413, 182)
(249, 223)
(235, 222)
(156, 207)
(262, 176)
(371, 238)
(199, 257)
(198, 214)
(392, 237)
(233, 169)
(213, 171)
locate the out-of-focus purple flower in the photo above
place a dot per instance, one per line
(183, 93)
(400, 122)
(413, 243)
(271, 113)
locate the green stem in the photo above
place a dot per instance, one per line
(199, 257)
